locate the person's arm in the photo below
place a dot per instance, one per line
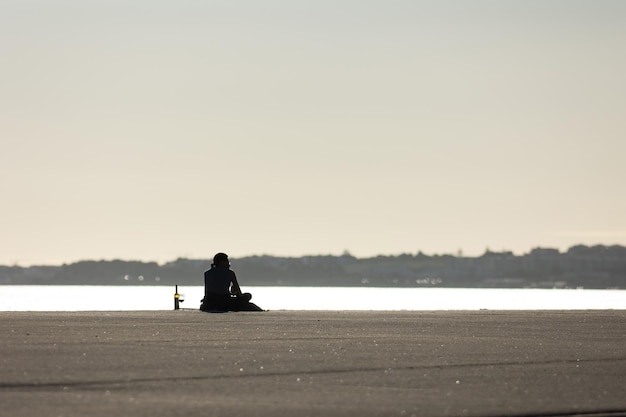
(234, 285)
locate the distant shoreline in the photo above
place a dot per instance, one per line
(589, 267)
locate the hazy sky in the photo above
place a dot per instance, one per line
(153, 130)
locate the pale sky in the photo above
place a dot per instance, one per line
(152, 130)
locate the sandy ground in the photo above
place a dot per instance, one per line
(294, 363)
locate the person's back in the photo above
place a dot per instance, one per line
(217, 280)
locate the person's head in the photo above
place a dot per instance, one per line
(221, 259)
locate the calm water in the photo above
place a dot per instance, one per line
(115, 298)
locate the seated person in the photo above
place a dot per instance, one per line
(221, 289)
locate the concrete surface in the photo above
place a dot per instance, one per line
(294, 363)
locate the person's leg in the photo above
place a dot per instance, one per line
(242, 303)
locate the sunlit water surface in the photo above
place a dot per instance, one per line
(126, 298)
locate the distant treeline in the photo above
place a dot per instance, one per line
(579, 267)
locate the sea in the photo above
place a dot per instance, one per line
(151, 298)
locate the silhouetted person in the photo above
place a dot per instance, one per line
(221, 289)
